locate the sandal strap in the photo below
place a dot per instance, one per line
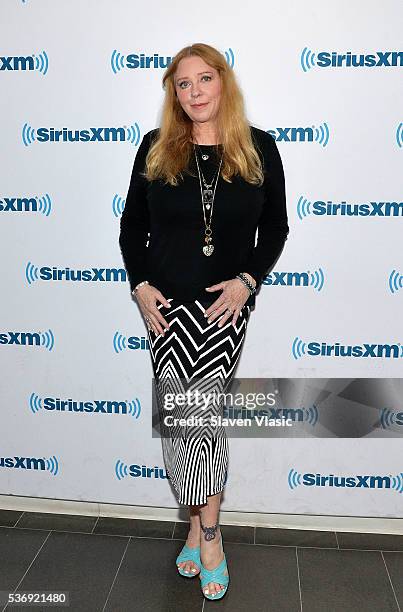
(215, 575)
(189, 554)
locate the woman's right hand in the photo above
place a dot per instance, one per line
(147, 297)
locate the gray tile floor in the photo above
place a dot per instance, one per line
(122, 565)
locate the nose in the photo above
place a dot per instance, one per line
(195, 91)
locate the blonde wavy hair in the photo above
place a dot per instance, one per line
(170, 152)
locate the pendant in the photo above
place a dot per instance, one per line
(208, 249)
(208, 206)
(204, 156)
(207, 196)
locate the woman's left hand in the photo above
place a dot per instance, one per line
(233, 297)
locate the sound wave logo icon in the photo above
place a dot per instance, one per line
(28, 134)
(311, 415)
(133, 134)
(121, 469)
(119, 342)
(299, 348)
(303, 207)
(35, 403)
(395, 281)
(52, 465)
(117, 61)
(118, 205)
(322, 134)
(45, 204)
(42, 62)
(390, 419)
(47, 339)
(134, 408)
(229, 56)
(399, 135)
(31, 273)
(294, 479)
(397, 482)
(307, 59)
(317, 279)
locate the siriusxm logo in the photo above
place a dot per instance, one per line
(55, 404)
(302, 134)
(125, 133)
(45, 339)
(296, 479)
(42, 205)
(395, 281)
(314, 279)
(310, 414)
(119, 61)
(93, 275)
(343, 209)
(39, 62)
(323, 349)
(138, 471)
(332, 59)
(121, 343)
(390, 419)
(31, 463)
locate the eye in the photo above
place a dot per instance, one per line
(207, 76)
(181, 83)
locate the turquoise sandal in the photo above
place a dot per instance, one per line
(215, 575)
(189, 554)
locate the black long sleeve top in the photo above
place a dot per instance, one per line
(162, 227)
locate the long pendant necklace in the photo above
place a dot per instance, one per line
(207, 198)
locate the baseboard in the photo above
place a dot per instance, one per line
(315, 522)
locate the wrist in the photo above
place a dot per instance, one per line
(250, 278)
(137, 287)
(244, 279)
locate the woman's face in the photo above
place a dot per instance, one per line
(198, 83)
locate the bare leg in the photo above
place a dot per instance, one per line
(210, 547)
(193, 539)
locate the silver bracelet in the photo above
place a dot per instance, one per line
(139, 285)
(244, 279)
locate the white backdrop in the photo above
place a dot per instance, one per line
(72, 64)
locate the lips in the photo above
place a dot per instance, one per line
(199, 105)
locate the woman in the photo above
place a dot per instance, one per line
(201, 185)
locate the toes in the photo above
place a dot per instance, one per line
(188, 566)
(212, 588)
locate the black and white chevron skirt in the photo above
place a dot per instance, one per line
(195, 361)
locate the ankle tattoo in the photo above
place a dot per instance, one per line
(209, 532)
